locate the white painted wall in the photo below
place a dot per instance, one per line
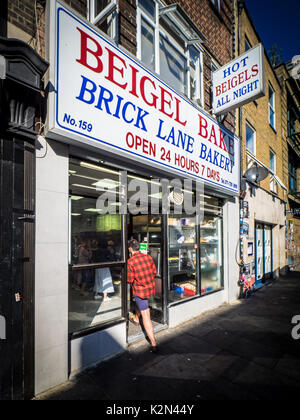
(51, 272)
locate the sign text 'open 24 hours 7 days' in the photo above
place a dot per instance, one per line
(105, 98)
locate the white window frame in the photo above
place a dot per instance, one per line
(216, 4)
(183, 52)
(273, 181)
(274, 154)
(271, 107)
(110, 12)
(254, 139)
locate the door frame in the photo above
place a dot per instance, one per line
(260, 283)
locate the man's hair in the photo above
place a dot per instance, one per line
(134, 244)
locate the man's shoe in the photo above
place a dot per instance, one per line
(153, 349)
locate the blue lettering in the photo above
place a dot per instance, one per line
(117, 113)
(203, 151)
(190, 145)
(215, 162)
(140, 119)
(90, 90)
(159, 130)
(124, 112)
(104, 99)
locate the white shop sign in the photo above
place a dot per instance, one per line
(240, 81)
(103, 97)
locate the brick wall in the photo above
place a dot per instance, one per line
(218, 29)
(257, 115)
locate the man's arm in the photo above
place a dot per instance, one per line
(130, 273)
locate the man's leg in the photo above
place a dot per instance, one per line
(148, 326)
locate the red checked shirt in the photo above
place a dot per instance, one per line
(141, 272)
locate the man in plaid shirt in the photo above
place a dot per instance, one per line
(141, 272)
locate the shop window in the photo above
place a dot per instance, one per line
(96, 254)
(271, 107)
(182, 257)
(250, 139)
(211, 240)
(195, 251)
(103, 14)
(164, 49)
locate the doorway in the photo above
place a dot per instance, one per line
(263, 254)
(148, 230)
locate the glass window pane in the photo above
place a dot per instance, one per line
(271, 97)
(96, 235)
(250, 143)
(194, 73)
(148, 6)
(148, 47)
(100, 5)
(172, 66)
(211, 254)
(247, 45)
(95, 297)
(182, 257)
(272, 161)
(272, 117)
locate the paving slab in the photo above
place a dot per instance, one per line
(242, 350)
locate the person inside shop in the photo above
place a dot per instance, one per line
(103, 280)
(84, 257)
(141, 272)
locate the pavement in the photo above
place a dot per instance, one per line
(240, 351)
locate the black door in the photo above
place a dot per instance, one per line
(17, 192)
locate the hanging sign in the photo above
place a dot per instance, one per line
(102, 97)
(240, 81)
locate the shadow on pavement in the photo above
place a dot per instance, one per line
(241, 351)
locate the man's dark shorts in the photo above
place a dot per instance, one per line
(142, 304)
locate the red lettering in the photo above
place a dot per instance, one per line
(254, 70)
(142, 87)
(84, 50)
(241, 77)
(134, 74)
(178, 102)
(112, 67)
(218, 90)
(222, 144)
(202, 127)
(224, 87)
(164, 101)
(213, 135)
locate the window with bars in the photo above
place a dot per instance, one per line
(164, 52)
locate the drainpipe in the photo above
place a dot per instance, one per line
(240, 4)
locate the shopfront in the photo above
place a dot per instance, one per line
(125, 156)
(187, 249)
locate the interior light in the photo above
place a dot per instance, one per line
(98, 168)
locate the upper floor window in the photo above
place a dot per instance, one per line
(247, 44)
(216, 3)
(164, 51)
(271, 106)
(293, 167)
(250, 139)
(273, 183)
(103, 14)
(272, 162)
